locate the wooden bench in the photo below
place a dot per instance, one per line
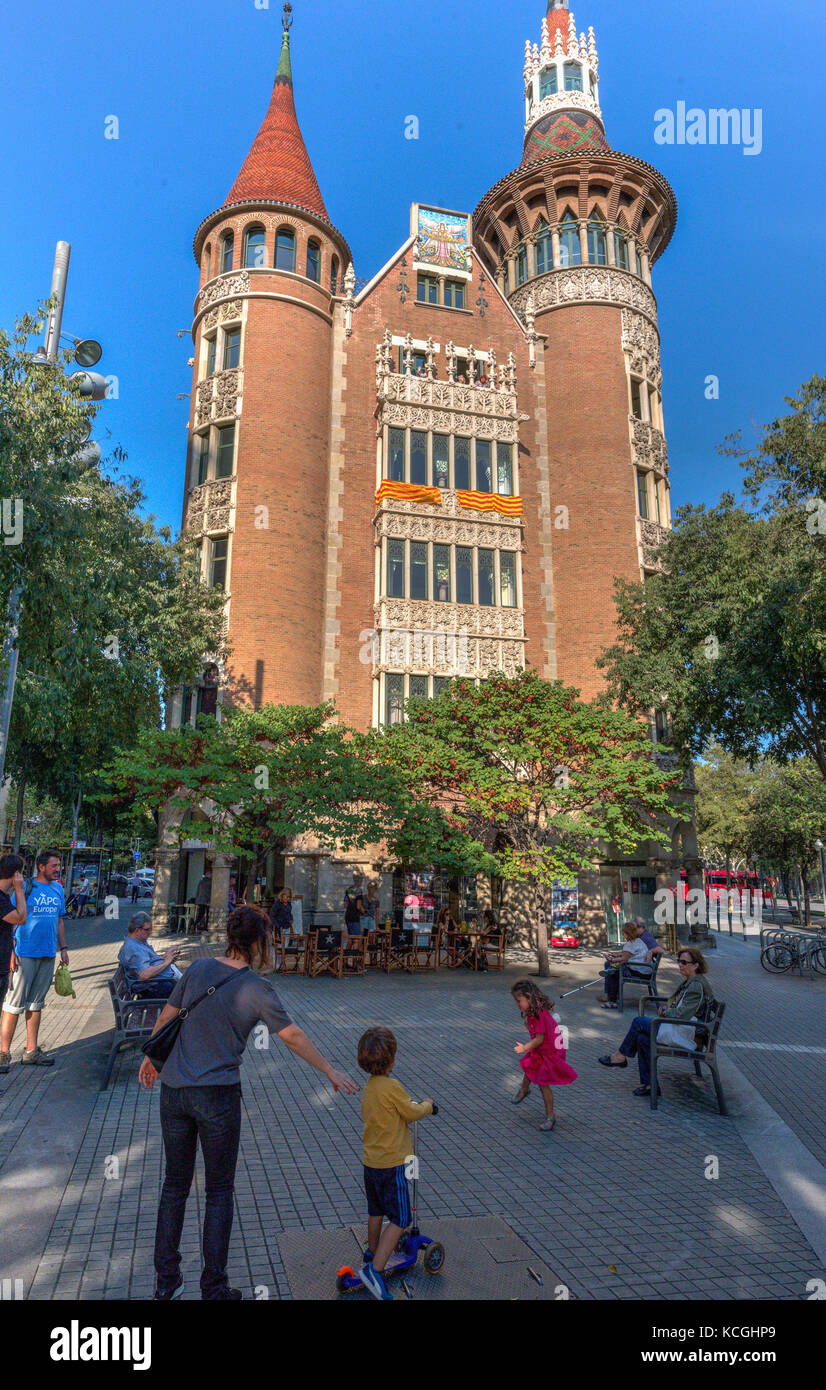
(135, 1018)
(705, 1052)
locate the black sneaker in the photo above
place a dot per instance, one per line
(225, 1296)
(167, 1295)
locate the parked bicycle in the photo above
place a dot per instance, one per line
(782, 951)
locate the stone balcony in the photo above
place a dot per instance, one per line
(209, 507)
(651, 536)
(447, 407)
(648, 446)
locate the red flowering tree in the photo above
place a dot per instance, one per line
(536, 775)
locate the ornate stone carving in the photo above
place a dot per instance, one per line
(223, 288)
(209, 506)
(648, 446)
(414, 614)
(447, 531)
(442, 422)
(445, 653)
(218, 396)
(641, 341)
(591, 284)
(210, 319)
(449, 508)
(563, 101)
(232, 310)
(651, 537)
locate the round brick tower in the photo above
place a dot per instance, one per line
(571, 236)
(272, 265)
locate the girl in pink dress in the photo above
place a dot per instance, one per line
(543, 1058)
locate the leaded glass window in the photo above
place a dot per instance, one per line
(464, 575)
(507, 579)
(394, 699)
(441, 460)
(487, 586)
(395, 471)
(395, 569)
(461, 463)
(418, 457)
(504, 468)
(441, 573)
(484, 474)
(418, 569)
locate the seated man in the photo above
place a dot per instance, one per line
(149, 975)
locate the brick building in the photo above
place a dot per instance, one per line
(473, 437)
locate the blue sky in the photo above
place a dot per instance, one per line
(740, 289)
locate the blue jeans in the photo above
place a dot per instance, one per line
(155, 989)
(637, 1043)
(613, 978)
(213, 1115)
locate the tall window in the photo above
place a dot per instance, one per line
(464, 575)
(484, 474)
(573, 77)
(207, 263)
(418, 687)
(441, 460)
(395, 471)
(218, 563)
(543, 250)
(548, 83)
(597, 241)
(314, 261)
(395, 569)
(657, 508)
(504, 469)
(487, 583)
(225, 456)
(232, 348)
(454, 294)
(441, 573)
(334, 275)
(227, 252)
(210, 355)
(200, 459)
(570, 251)
(461, 465)
(427, 290)
(394, 699)
(254, 247)
(642, 494)
(507, 579)
(636, 398)
(285, 249)
(621, 250)
(418, 457)
(521, 265)
(418, 569)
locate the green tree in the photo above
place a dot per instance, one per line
(263, 775)
(731, 636)
(536, 776)
(724, 787)
(786, 816)
(113, 614)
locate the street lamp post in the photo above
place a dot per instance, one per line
(819, 848)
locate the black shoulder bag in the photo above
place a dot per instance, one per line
(158, 1047)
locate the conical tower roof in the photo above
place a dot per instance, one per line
(278, 168)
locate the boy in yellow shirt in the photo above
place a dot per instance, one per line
(387, 1110)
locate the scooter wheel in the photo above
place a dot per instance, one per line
(434, 1258)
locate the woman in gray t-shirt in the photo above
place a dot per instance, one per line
(201, 1092)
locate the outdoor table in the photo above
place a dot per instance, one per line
(463, 948)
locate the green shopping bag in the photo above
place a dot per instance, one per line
(63, 981)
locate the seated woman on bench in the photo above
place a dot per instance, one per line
(640, 949)
(689, 1002)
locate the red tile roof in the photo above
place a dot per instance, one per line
(278, 168)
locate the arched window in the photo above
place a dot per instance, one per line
(570, 251)
(207, 263)
(334, 275)
(548, 83)
(573, 77)
(254, 247)
(285, 249)
(227, 252)
(544, 250)
(621, 250)
(314, 261)
(521, 265)
(597, 241)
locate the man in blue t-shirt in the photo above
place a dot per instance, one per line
(36, 944)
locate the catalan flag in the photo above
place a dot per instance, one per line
(490, 502)
(409, 492)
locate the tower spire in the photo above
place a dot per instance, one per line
(278, 168)
(563, 114)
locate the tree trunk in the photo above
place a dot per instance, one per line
(18, 824)
(542, 952)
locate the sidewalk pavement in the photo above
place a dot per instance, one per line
(617, 1200)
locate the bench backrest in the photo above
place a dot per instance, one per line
(714, 1016)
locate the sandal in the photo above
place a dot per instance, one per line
(520, 1096)
(609, 1005)
(548, 1124)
